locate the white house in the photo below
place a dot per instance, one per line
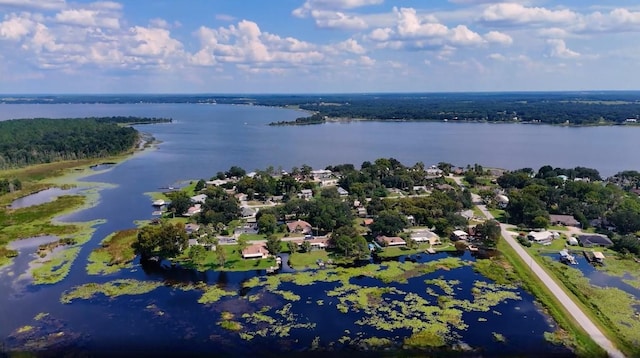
(199, 198)
(459, 235)
(541, 237)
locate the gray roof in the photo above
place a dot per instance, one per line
(589, 240)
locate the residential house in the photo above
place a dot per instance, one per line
(459, 235)
(592, 240)
(342, 191)
(390, 241)
(565, 220)
(411, 220)
(216, 182)
(199, 198)
(425, 236)
(367, 222)
(255, 251)
(299, 227)
(502, 201)
(433, 172)
(195, 209)
(319, 242)
(305, 194)
(541, 237)
(327, 182)
(321, 174)
(248, 212)
(362, 211)
(191, 228)
(241, 197)
(573, 241)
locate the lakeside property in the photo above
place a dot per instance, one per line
(410, 200)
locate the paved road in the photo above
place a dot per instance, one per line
(564, 299)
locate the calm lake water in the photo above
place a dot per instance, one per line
(205, 139)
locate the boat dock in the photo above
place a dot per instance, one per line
(430, 250)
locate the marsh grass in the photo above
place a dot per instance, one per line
(113, 288)
(613, 307)
(214, 294)
(116, 252)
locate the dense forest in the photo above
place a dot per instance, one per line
(575, 108)
(32, 141)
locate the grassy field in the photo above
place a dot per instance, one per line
(498, 214)
(302, 260)
(389, 252)
(234, 261)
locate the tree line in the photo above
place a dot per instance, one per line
(26, 142)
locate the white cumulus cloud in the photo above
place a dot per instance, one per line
(558, 48)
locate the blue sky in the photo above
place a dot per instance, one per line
(317, 46)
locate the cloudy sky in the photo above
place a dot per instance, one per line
(311, 46)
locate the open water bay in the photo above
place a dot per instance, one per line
(329, 315)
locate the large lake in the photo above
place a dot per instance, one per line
(224, 135)
(205, 139)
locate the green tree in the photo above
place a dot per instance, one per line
(540, 222)
(197, 254)
(267, 224)
(242, 243)
(274, 244)
(388, 222)
(489, 233)
(221, 256)
(235, 172)
(293, 247)
(165, 240)
(306, 246)
(411, 243)
(180, 202)
(201, 184)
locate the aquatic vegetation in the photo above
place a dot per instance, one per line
(375, 342)
(230, 325)
(24, 329)
(560, 337)
(279, 324)
(496, 269)
(498, 337)
(57, 268)
(40, 316)
(114, 288)
(213, 294)
(43, 335)
(446, 286)
(287, 295)
(53, 266)
(116, 252)
(428, 338)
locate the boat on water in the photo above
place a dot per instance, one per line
(566, 257)
(159, 202)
